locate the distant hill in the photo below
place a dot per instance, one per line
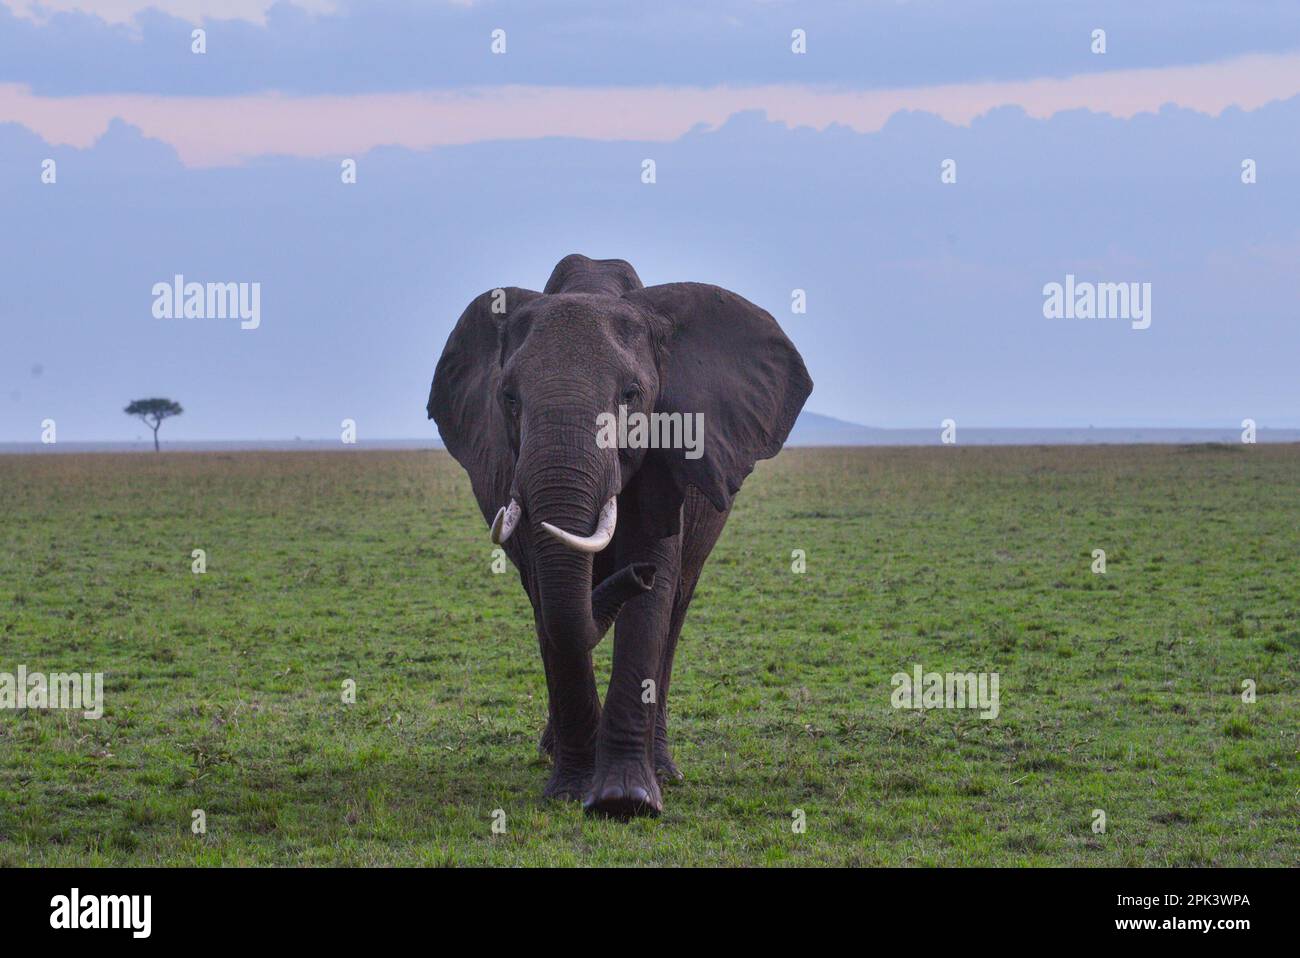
(814, 429)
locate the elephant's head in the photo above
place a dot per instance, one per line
(518, 396)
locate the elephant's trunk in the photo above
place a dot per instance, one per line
(575, 615)
(569, 487)
(607, 598)
(564, 591)
(572, 613)
(627, 583)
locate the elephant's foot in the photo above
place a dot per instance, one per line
(624, 790)
(666, 769)
(569, 782)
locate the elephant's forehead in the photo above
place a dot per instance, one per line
(579, 321)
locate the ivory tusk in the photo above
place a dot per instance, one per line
(598, 539)
(503, 526)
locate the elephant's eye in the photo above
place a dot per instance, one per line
(512, 401)
(631, 392)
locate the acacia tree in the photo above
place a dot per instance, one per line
(152, 412)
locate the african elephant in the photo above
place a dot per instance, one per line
(607, 534)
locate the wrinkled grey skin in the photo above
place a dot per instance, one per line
(516, 397)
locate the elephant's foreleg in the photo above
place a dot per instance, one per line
(606, 600)
(624, 782)
(664, 765)
(573, 718)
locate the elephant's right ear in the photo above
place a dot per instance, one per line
(463, 397)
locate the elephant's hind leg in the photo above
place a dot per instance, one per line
(665, 768)
(701, 525)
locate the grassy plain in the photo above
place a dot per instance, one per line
(1120, 692)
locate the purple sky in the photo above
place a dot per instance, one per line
(776, 171)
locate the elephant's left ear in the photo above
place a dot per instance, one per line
(726, 359)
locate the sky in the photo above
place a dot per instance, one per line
(774, 172)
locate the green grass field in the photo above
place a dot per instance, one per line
(1120, 692)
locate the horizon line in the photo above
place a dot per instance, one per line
(437, 440)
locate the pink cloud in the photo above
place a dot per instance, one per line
(211, 131)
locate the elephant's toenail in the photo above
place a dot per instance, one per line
(610, 793)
